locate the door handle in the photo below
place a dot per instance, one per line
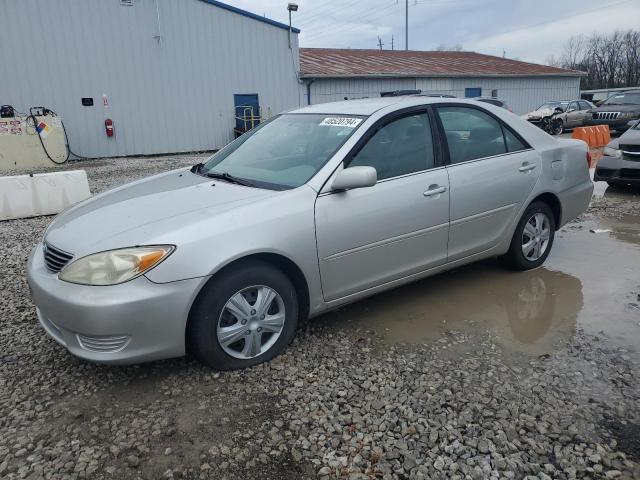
(526, 166)
(434, 190)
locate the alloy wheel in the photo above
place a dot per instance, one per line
(251, 322)
(535, 236)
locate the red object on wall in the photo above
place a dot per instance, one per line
(108, 127)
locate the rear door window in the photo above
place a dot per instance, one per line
(471, 134)
(514, 144)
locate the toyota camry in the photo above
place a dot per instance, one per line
(311, 210)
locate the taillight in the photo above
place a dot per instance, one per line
(588, 159)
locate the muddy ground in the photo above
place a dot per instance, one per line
(476, 373)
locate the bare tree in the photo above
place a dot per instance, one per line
(611, 60)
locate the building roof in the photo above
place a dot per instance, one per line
(255, 16)
(348, 63)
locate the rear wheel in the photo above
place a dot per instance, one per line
(246, 315)
(533, 238)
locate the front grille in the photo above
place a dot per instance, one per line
(103, 344)
(55, 259)
(632, 149)
(605, 115)
(630, 173)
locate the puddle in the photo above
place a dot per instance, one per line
(589, 282)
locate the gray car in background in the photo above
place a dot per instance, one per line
(311, 210)
(620, 164)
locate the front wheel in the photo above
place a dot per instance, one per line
(533, 238)
(244, 316)
(557, 127)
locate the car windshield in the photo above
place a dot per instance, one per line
(553, 105)
(284, 152)
(629, 98)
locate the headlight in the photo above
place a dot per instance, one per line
(612, 152)
(115, 266)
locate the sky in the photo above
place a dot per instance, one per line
(528, 30)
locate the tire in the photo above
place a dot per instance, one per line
(211, 317)
(557, 127)
(515, 258)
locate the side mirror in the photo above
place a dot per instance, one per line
(558, 110)
(355, 177)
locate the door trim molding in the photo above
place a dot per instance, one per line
(387, 241)
(481, 214)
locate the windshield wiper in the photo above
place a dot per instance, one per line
(229, 178)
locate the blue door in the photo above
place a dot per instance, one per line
(472, 92)
(247, 110)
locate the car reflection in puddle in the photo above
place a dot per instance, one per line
(525, 311)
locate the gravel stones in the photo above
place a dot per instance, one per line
(335, 405)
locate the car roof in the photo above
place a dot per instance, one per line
(361, 106)
(368, 106)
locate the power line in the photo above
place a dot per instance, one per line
(323, 14)
(363, 19)
(556, 19)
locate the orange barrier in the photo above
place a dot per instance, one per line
(596, 136)
(606, 134)
(581, 133)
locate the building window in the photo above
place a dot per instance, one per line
(127, 3)
(472, 92)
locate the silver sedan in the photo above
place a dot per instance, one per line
(313, 209)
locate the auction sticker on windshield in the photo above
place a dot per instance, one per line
(341, 122)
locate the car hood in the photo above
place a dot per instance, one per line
(630, 137)
(139, 212)
(542, 112)
(617, 108)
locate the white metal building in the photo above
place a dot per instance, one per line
(169, 71)
(336, 74)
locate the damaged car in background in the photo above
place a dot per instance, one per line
(620, 165)
(558, 116)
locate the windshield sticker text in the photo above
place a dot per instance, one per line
(341, 122)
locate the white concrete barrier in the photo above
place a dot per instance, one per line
(41, 194)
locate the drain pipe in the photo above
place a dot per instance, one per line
(309, 91)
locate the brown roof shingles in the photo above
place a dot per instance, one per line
(330, 62)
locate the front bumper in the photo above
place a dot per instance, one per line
(133, 322)
(617, 170)
(614, 124)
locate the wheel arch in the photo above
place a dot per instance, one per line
(278, 261)
(552, 200)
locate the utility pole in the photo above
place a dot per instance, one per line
(406, 24)
(380, 44)
(392, 42)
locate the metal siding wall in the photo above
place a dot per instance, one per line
(522, 94)
(169, 97)
(333, 90)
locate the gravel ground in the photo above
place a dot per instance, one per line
(337, 404)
